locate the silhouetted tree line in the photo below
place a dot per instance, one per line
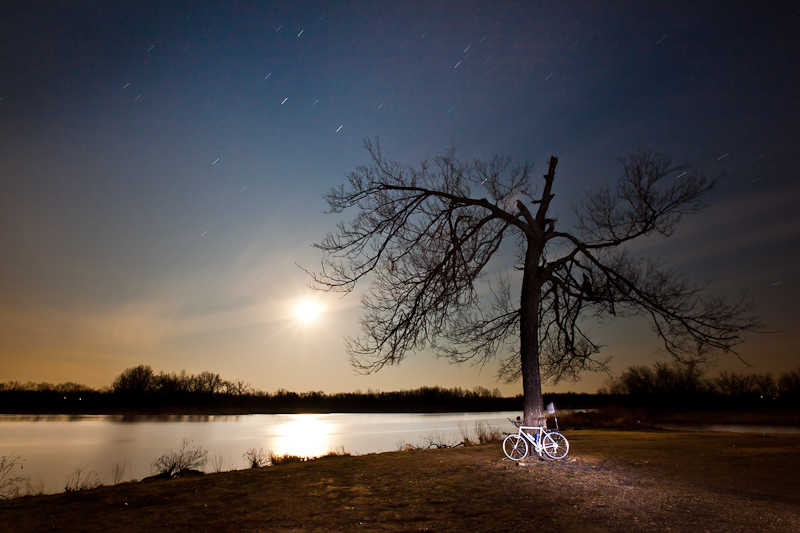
(140, 390)
(682, 385)
(141, 380)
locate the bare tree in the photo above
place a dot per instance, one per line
(137, 380)
(207, 382)
(426, 235)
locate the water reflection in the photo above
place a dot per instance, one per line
(53, 446)
(49, 418)
(303, 435)
(174, 418)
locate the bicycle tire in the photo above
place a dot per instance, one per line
(515, 447)
(556, 445)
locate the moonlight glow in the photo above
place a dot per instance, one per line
(307, 311)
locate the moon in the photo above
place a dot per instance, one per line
(307, 311)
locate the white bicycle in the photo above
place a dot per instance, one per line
(550, 442)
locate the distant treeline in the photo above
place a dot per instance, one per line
(140, 390)
(686, 386)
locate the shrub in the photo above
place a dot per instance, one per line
(79, 479)
(487, 434)
(257, 457)
(438, 440)
(173, 464)
(285, 458)
(33, 490)
(338, 452)
(10, 478)
(465, 438)
(217, 464)
(118, 471)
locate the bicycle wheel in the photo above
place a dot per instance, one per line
(515, 447)
(555, 445)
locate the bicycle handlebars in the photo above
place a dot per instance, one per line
(518, 421)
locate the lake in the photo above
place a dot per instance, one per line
(54, 446)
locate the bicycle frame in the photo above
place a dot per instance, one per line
(538, 438)
(534, 438)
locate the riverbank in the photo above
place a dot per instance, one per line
(614, 481)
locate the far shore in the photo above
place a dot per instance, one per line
(608, 417)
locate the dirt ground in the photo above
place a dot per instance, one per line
(611, 481)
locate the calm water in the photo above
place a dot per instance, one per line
(54, 446)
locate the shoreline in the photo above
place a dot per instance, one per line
(612, 480)
(609, 417)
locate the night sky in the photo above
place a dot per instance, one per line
(162, 165)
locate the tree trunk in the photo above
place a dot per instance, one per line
(533, 405)
(530, 301)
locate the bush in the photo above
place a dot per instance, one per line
(285, 458)
(438, 440)
(257, 457)
(79, 479)
(10, 478)
(465, 438)
(487, 434)
(217, 464)
(33, 490)
(173, 464)
(118, 471)
(338, 452)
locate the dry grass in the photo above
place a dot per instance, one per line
(82, 479)
(614, 481)
(11, 477)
